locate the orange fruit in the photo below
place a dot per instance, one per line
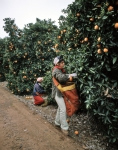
(61, 32)
(105, 50)
(39, 42)
(110, 8)
(99, 51)
(99, 39)
(96, 27)
(78, 14)
(76, 132)
(116, 25)
(59, 37)
(75, 45)
(91, 19)
(98, 46)
(85, 39)
(56, 45)
(77, 31)
(15, 61)
(64, 30)
(27, 90)
(68, 120)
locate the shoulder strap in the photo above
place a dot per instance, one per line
(56, 83)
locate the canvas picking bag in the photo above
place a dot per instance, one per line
(70, 95)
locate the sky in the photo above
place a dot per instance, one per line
(26, 11)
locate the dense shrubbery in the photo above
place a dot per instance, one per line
(88, 39)
(2, 50)
(90, 46)
(28, 53)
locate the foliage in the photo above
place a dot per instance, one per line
(88, 39)
(47, 84)
(28, 53)
(2, 69)
(90, 46)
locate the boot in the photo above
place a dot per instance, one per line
(45, 103)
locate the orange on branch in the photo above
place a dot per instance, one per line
(64, 30)
(96, 27)
(99, 51)
(91, 19)
(99, 39)
(116, 25)
(105, 50)
(68, 120)
(59, 37)
(86, 39)
(76, 132)
(78, 14)
(110, 8)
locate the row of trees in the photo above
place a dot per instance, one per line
(88, 39)
(27, 53)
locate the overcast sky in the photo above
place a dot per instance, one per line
(26, 11)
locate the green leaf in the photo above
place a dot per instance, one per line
(114, 60)
(105, 17)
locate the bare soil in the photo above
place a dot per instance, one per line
(24, 126)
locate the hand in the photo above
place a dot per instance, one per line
(73, 75)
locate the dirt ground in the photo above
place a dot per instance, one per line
(24, 126)
(22, 129)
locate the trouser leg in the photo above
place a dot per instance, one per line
(61, 113)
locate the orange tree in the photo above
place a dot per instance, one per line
(28, 54)
(2, 49)
(90, 46)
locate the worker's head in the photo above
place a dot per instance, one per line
(59, 61)
(39, 79)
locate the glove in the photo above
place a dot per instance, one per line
(73, 75)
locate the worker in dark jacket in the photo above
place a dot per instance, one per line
(38, 92)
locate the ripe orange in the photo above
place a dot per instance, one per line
(78, 14)
(68, 120)
(99, 39)
(99, 51)
(24, 77)
(39, 42)
(76, 132)
(91, 19)
(27, 90)
(56, 45)
(82, 41)
(116, 25)
(86, 39)
(105, 50)
(61, 32)
(15, 61)
(110, 8)
(77, 31)
(69, 49)
(75, 45)
(96, 27)
(59, 37)
(64, 30)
